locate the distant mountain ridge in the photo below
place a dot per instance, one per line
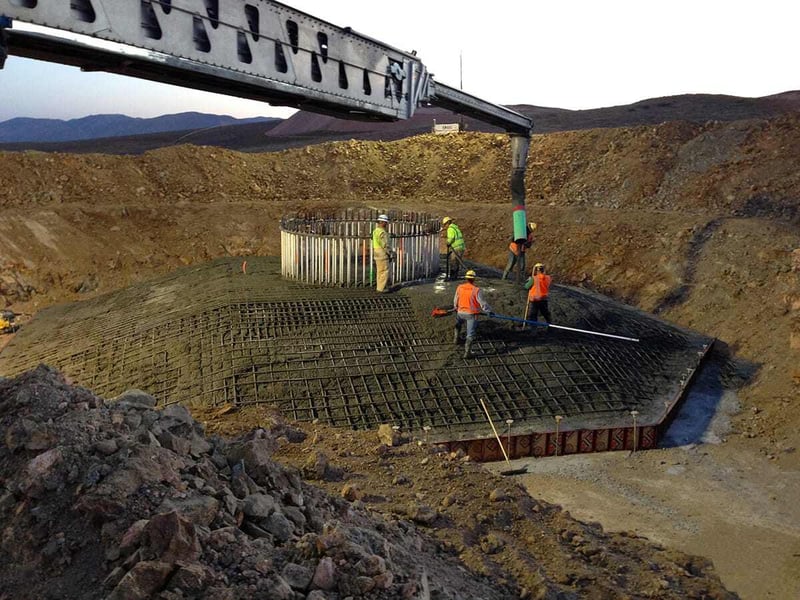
(26, 129)
(306, 128)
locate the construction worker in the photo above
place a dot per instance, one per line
(455, 247)
(381, 253)
(469, 303)
(516, 250)
(537, 296)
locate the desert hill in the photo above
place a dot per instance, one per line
(27, 130)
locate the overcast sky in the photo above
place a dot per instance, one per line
(563, 53)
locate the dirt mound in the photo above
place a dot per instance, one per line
(118, 500)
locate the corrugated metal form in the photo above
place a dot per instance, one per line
(336, 250)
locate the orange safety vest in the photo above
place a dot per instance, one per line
(517, 248)
(468, 299)
(540, 287)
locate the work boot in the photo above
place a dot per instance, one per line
(455, 337)
(467, 348)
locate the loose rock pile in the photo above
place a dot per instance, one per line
(119, 500)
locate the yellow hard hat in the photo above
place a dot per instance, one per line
(446, 220)
(469, 274)
(538, 266)
(532, 225)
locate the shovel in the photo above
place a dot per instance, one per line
(442, 312)
(508, 472)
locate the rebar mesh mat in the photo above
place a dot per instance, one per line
(215, 335)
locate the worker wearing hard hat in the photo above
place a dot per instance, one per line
(381, 253)
(516, 250)
(539, 283)
(469, 303)
(455, 247)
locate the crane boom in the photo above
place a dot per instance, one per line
(263, 50)
(256, 49)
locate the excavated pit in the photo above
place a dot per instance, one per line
(218, 334)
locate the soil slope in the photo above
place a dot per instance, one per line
(696, 222)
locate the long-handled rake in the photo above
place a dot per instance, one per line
(508, 472)
(550, 325)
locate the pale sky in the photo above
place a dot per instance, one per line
(572, 54)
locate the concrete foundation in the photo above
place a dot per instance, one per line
(218, 334)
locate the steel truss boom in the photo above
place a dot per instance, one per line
(256, 49)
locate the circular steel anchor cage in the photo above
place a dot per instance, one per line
(336, 250)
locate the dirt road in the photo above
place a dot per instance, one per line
(700, 494)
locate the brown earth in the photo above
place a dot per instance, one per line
(111, 498)
(696, 222)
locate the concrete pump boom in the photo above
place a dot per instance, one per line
(257, 49)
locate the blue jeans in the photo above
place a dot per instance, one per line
(471, 321)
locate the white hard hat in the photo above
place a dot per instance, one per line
(383, 218)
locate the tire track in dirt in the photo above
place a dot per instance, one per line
(680, 294)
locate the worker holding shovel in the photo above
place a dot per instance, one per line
(469, 303)
(516, 251)
(539, 285)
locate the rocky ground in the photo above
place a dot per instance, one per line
(119, 500)
(695, 222)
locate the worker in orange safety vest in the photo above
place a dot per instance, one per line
(539, 284)
(469, 303)
(516, 251)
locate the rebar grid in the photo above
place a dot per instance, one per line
(351, 358)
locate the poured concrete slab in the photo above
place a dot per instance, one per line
(219, 334)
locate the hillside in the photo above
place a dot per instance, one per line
(695, 220)
(32, 130)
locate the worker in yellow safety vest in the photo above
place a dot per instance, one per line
(516, 251)
(469, 303)
(455, 247)
(381, 253)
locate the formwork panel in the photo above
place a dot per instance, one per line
(540, 445)
(601, 440)
(586, 441)
(570, 442)
(648, 437)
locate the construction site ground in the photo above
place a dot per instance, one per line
(697, 223)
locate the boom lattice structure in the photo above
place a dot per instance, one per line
(263, 50)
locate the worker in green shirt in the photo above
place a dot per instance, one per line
(455, 247)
